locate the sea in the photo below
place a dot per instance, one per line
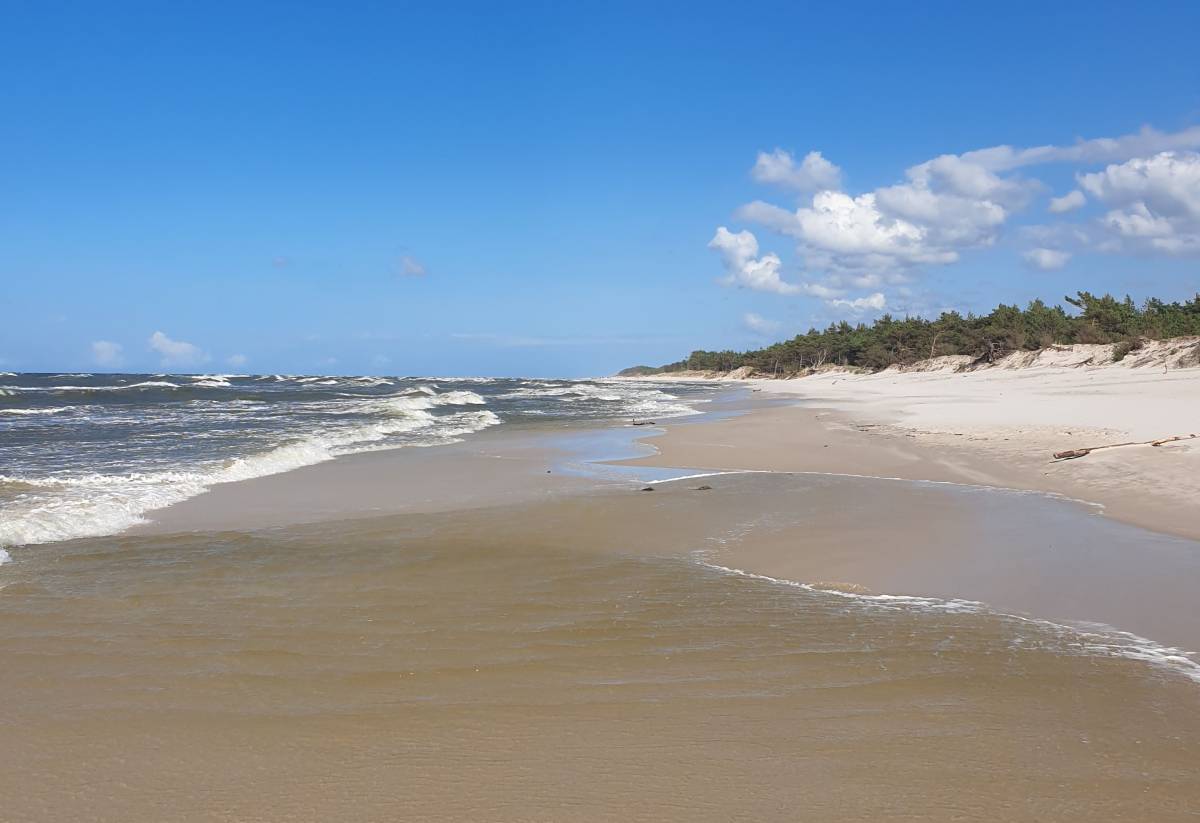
(86, 455)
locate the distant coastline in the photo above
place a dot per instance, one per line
(1115, 329)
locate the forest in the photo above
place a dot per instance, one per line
(985, 338)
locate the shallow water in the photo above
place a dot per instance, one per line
(85, 455)
(530, 663)
(587, 651)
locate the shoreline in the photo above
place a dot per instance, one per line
(766, 455)
(487, 658)
(987, 428)
(676, 654)
(765, 463)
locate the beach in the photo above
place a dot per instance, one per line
(764, 611)
(590, 413)
(995, 427)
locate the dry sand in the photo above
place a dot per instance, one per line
(994, 427)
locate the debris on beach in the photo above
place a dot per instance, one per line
(702, 488)
(648, 489)
(1071, 454)
(641, 422)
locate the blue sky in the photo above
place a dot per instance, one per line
(536, 188)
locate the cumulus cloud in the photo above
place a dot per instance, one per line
(1068, 202)
(759, 324)
(954, 203)
(412, 267)
(176, 352)
(945, 206)
(852, 231)
(812, 173)
(956, 175)
(1155, 202)
(946, 221)
(1168, 182)
(1047, 259)
(873, 302)
(237, 360)
(744, 267)
(106, 353)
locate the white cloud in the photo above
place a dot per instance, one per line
(1068, 202)
(1155, 203)
(1138, 221)
(412, 267)
(823, 290)
(956, 175)
(1168, 183)
(106, 353)
(875, 302)
(176, 352)
(851, 231)
(759, 324)
(954, 203)
(868, 280)
(237, 360)
(1099, 150)
(743, 266)
(779, 167)
(948, 204)
(1047, 259)
(946, 220)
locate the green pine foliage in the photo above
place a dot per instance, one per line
(892, 341)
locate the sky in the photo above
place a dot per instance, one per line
(565, 189)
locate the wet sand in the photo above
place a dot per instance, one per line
(489, 469)
(554, 647)
(998, 426)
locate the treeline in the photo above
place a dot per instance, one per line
(892, 341)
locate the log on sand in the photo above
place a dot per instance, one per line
(1071, 454)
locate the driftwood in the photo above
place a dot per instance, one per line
(1071, 454)
(641, 422)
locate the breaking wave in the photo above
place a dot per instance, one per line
(68, 506)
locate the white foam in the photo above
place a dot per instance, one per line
(633, 399)
(1089, 638)
(52, 410)
(91, 505)
(146, 384)
(423, 398)
(213, 381)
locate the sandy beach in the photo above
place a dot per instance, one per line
(590, 657)
(600, 413)
(996, 427)
(513, 627)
